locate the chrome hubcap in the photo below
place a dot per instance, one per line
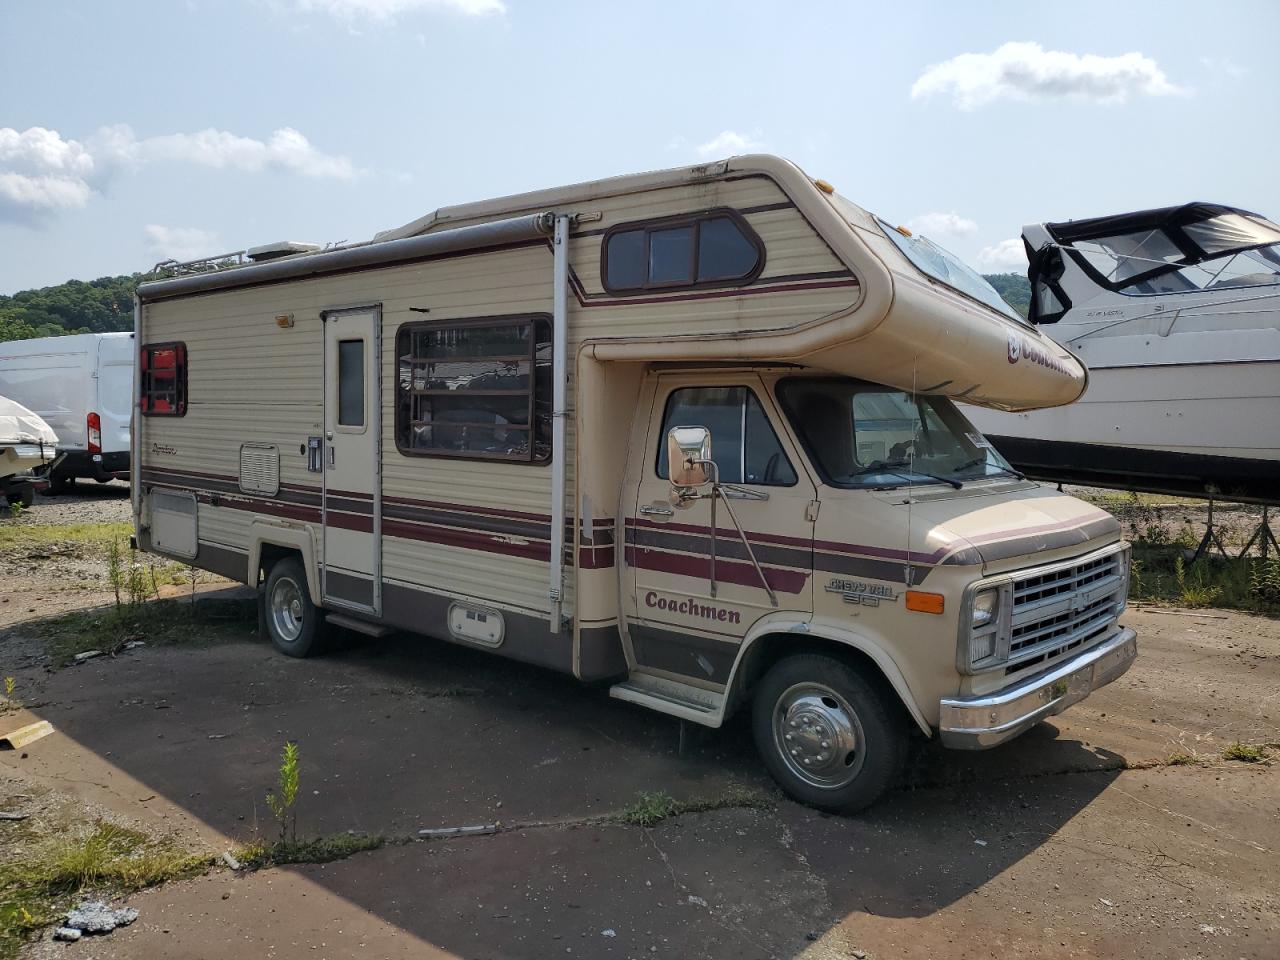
(818, 734)
(286, 609)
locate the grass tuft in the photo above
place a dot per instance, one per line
(652, 808)
(256, 855)
(1245, 753)
(37, 888)
(1183, 760)
(156, 622)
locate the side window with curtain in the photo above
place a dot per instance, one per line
(743, 442)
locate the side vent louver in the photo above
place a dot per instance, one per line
(260, 468)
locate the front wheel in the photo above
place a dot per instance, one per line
(830, 736)
(293, 621)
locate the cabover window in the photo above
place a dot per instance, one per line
(475, 388)
(716, 248)
(162, 374)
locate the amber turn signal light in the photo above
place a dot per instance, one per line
(923, 602)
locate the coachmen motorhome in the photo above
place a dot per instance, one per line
(81, 385)
(691, 433)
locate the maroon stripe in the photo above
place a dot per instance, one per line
(349, 521)
(686, 565)
(596, 558)
(465, 508)
(717, 294)
(467, 541)
(272, 508)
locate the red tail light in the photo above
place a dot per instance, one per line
(95, 433)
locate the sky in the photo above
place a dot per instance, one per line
(134, 131)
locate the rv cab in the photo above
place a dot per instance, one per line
(692, 434)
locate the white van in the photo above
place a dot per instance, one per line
(81, 386)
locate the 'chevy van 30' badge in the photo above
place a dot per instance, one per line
(858, 591)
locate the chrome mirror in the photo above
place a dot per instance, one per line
(688, 454)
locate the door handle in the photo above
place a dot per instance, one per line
(330, 449)
(657, 510)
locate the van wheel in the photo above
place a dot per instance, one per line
(293, 621)
(58, 483)
(829, 736)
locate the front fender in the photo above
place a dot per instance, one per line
(804, 627)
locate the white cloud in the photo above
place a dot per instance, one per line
(1007, 256)
(729, 143)
(383, 10)
(180, 243)
(942, 225)
(287, 150)
(41, 172)
(1224, 67)
(1027, 71)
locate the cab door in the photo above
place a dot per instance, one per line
(351, 571)
(684, 624)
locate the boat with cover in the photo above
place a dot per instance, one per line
(1176, 312)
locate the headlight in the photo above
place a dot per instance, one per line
(985, 606)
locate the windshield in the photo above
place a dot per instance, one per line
(947, 268)
(1230, 250)
(863, 434)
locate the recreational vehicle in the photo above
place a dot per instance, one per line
(687, 433)
(81, 386)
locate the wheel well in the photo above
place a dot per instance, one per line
(771, 648)
(270, 555)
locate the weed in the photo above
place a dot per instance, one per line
(38, 886)
(1192, 590)
(1183, 760)
(1245, 753)
(15, 510)
(282, 805)
(319, 850)
(10, 684)
(162, 621)
(1264, 581)
(652, 808)
(11, 702)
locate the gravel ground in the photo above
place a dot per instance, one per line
(87, 502)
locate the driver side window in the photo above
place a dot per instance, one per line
(743, 443)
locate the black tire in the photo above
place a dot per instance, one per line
(293, 622)
(817, 699)
(24, 495)
(59, 483)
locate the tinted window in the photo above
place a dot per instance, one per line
(673, 252)
(743, 444)
(477, 389)
(671, 255)
(724, 252)
(351, 383)
(627, 260)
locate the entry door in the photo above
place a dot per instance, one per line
(352, 460)
(681, 626)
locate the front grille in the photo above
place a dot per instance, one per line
(1064, 606)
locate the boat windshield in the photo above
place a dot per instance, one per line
(1233, 249)
(946, 267)
(862, 434)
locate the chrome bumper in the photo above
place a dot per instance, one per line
(980, 722)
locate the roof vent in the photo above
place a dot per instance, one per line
(282, 248)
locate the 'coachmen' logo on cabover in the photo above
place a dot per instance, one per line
(691, 607)
(1020, 348)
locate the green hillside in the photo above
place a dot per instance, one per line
(1014, 288)
(97, 306)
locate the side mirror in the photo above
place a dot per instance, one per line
(688, 449)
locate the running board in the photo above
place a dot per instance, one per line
(359, 626)
(671, 697)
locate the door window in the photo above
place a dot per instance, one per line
(743, 443)
(351, 383)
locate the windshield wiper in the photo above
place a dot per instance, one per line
(976, 461)
(886, 466)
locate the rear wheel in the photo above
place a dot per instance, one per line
(24, 495)
(59, 483)
(293, 622)
(829, 735)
